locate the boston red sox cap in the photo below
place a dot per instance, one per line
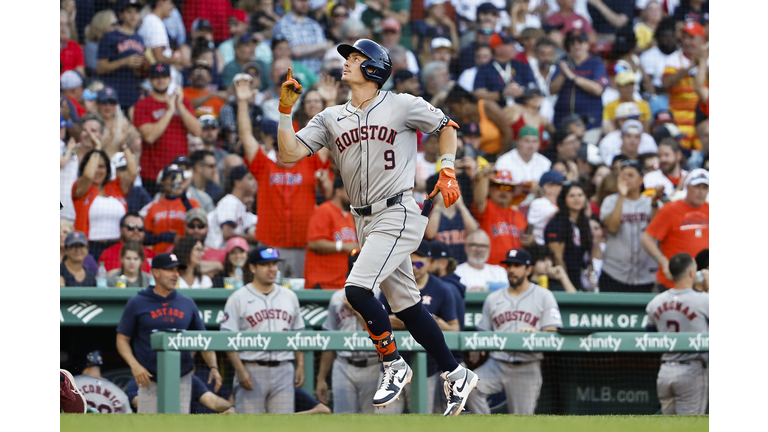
(517, 256)
(159, 70)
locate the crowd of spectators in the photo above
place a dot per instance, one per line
(584, 136)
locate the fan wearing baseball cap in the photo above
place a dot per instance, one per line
(121, 54)
(680, 226)
(627, 113)
(493, 194)
(504, 78)
(678, 80)
(625, 84)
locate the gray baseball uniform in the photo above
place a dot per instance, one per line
(375, 150)
(103, 395)
(272, 372)
(516, 373)
(625, 259)
(354, 373)
(683, 381)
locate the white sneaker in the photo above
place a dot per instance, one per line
(396, 376)
(458, 384)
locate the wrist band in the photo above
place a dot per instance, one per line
(338, 245)
(447, 161)
(285, 122)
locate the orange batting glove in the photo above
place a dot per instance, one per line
(448, 185)
(289, 93)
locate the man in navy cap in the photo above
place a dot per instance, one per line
(160, 308)
(121, 54)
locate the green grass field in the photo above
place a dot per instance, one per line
(366, 423)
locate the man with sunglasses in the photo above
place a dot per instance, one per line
(131, 229)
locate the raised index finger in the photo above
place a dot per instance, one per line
(290, 74)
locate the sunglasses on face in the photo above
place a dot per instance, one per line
(418, 264)
(109, 102)
(507, 188)
(132, 227)
(196, 226)
(485, 31)
(340, 15)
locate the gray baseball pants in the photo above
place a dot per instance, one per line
(521, 383)
(148, 396)
(272, 392)
(354, 387)
(683, 388)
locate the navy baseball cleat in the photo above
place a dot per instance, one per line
(458, 384)
(396, 376)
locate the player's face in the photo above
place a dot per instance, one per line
(575, 199)
(237, 257)
(420, 266)
(517, 274)
(131, 262)
(265, 274)
(668, 159)
(697, 195)
(166, 278)
(351, 72)
(160, 84)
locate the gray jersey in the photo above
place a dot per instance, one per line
(103, 395)
(677, 311)
(625, 259)
(343, 318)
(375, 148)
(535, 308)
(249, 310)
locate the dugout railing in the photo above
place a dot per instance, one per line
(170, 344)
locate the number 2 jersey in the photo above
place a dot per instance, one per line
(677, 311)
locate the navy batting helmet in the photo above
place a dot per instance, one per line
(379, 59)
(91, 358)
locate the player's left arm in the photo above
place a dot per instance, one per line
(446, 182)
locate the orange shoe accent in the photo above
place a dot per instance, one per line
(384, 343)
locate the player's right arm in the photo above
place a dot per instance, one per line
(321, 388)
(141, 374)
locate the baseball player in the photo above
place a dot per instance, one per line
(523, 307)
(683, 381)
(99, 392)
(160, 307)
(372, 139)
(203, 400)
(355, 373)
(264, 380)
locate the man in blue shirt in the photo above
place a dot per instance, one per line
(121, 53)
(160, 308)
(579, 81)
(504, 78)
